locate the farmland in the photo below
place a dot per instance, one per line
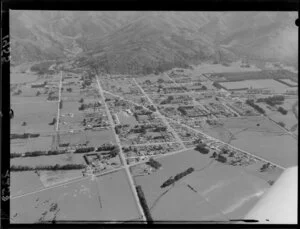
(36, 117)
(107, 198)
(200, 195)
(259, 136)
(123, 148)
(31, 144)
(22, 183)
(256, 84)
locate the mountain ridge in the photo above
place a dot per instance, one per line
(142, 42)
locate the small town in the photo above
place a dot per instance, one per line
(165, 140)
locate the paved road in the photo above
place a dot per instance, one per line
(161, 116)
(215, 139)
(224, 143)
(194, 99)
(224, 103)
(73, 180)
(59, 99)
(131, 182)
(162, 155)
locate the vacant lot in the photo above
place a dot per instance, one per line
(36, 117)
(106, 198)
(200, 195)
(125, 118)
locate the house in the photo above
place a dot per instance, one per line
(38, 85)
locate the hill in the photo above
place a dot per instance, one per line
(145, 42)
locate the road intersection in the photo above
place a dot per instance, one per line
(125, 165)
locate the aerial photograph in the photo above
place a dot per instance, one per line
(153, 116)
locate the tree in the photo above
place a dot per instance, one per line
(24, 123)
(182, 110)
(214, 155)
(38, 93)
(81, 107)
(143, 130)
(255, 106)
(202, 149)
(153, 163)
(282, 110)
(53, 122)
(170, 97)
(144, 204)
(152, 108)
(81, 100)
(160, 81)
(281, 124)
(221, 158)
(115, 152)
(265, 167)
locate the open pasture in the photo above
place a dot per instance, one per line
(18, 77)
(43, 143)
(94, 138)
(61, 159)
(259, 136)
(199, 195)
(256, 84)
(24, 182)
(105, 198)
(33, 117)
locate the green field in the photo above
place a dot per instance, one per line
(94, 138)
(24, 182)
(32, 144)
(259, 136)
(257, 84)
(37, 117)
(106, 198)
(204, 199)
(61, 159)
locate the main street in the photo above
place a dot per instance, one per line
(198, 131)
(161, 116)
(121, 153)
